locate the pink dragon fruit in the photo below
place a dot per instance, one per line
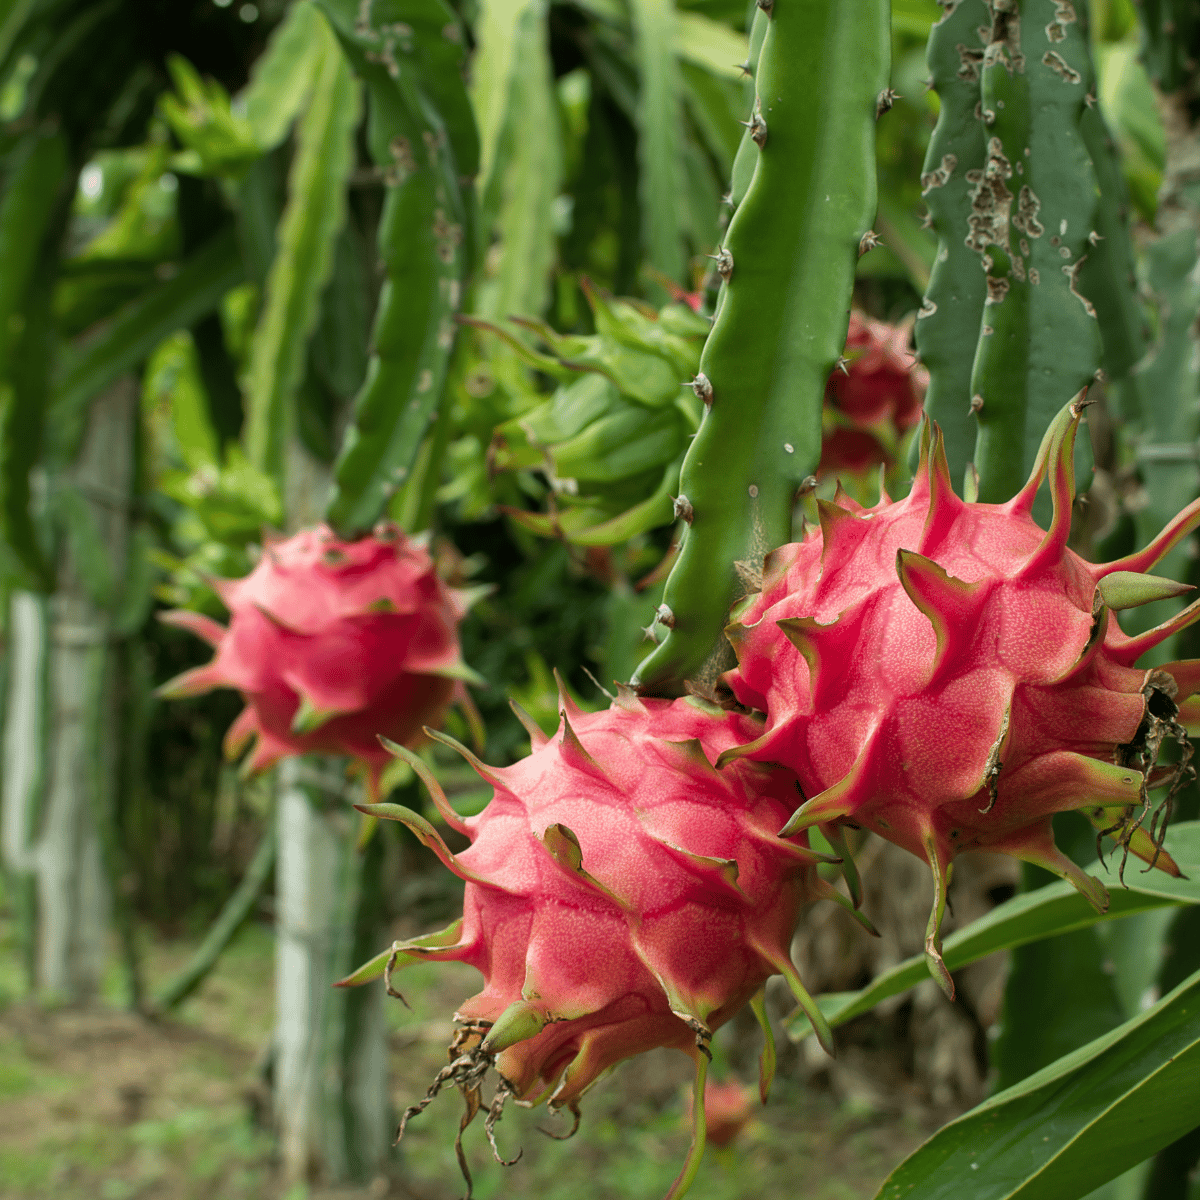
(950, 675)
(621, 894)
(333, 643)
(872, 399)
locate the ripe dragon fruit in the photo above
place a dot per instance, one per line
(621, 894)
(872, 398)
(333, 643)
(950, 675)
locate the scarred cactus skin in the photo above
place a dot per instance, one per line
(949, 675)
(872, 399)
(332, 643)
(621, 894)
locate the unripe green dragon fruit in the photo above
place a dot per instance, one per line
(610, 439)
(621, 894)
(332, 644)
(949, 675)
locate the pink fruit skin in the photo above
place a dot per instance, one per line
(878, 397)
(364, 632)
(649, 936)
(936, 671)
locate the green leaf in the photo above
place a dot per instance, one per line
(493, 70)
(1029, 917)
(660, 136)
(308, 230)
(1057, 997)
(711, 45)
(13, 15)
(195, 290)
(716, 107)
(1076, 1124)
(519, 191)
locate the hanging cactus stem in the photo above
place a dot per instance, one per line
(781, 316)
(949, 317)
(1034, 205)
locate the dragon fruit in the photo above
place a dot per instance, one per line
(872, 398)
(333, 643)
(621, 894)
(950, 675)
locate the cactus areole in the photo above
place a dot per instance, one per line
(950, 676)
(621, 894)
(332, 644)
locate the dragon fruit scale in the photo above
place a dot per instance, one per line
(332, 643)
(950, 675)
(621, 895)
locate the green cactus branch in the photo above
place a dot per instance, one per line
(788, 264)
(422, 137)
(308, 232)
(948, 320)
(1033, 225)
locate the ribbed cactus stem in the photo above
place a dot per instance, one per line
(782, 315)
(949, 317)
(1032, 225)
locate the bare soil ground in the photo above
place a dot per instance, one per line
(108, 1105)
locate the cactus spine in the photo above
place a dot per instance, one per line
(782, 314)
